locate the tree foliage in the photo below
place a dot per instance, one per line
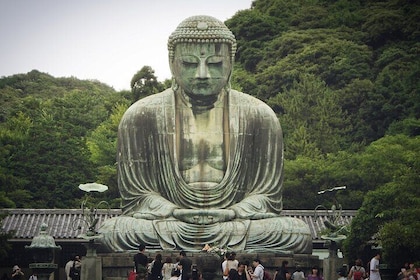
(144, 83)
(102, 144)
(43, 137)
(341, 75)
(313, 122)
(394, 168)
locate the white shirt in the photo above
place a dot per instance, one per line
(298, 275)
(69, 264)
(230, 264)
(167, 270)
(374, 269)
(259, 272)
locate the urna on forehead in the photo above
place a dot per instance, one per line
(201, 29)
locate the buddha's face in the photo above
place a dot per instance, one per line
(202, 70)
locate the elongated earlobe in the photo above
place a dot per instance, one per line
(175, 85)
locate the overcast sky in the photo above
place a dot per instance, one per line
(105, 40)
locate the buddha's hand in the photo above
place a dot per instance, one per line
(157, 212)
(204, 216)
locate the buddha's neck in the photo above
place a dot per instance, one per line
(199, 109)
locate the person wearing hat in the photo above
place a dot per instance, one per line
(17, 274)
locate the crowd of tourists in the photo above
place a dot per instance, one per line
(372, 271)
(409, 272)
(182, 268)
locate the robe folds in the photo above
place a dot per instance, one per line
(152, 187)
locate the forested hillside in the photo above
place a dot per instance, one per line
(343, 77)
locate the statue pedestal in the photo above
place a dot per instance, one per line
(43, 270)
(91, 263)
(331, 265)
(209, 265)
(333, 262)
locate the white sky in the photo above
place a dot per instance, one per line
(106, 40)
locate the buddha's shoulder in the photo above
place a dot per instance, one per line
(151, 103)
(245, 100)
(160, 98)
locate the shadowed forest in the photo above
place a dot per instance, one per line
(343, 77)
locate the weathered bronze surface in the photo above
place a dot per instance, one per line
(201, 163)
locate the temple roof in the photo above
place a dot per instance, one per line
(66, 224)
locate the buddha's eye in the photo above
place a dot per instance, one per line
(189, 61)
(216, 59)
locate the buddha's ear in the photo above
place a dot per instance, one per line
(171, 65)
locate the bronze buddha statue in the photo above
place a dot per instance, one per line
(201, 163)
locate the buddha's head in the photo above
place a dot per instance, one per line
(201, 55)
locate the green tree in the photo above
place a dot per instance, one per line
(312, 119)
(302, 182)
(13, 134)
(102, 144)
(383, 21)
(327, 54)
(144, 83)
(304, 177)
(53, 164)
(394, 201)
(362, 104)
(252, 29)
(398, 85)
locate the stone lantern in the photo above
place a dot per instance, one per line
(335, 233)
(43, 249)
(91, 264)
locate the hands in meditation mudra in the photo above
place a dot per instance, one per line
(201, 163)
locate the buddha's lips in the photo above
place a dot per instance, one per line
(201, 84)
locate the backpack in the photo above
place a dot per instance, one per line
(74, 272)
(357, 274)
(267, 275)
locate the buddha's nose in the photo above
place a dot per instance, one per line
(202, 71)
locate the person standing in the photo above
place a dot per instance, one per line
(258, 273)
(69, 265)
(243, 271)
(167, 268)
(229, 263)
(341, 275)
(282, 272)
(156, 269)
(315, 274)
(140, 262)
(75, 269)
(175, 274)
(17, 273)
(374, 268)
(357, 272)
(298, 274)
(185, 266)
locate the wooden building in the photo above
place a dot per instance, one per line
(66, 224)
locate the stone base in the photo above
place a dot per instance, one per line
(116, 266)
(331, 265)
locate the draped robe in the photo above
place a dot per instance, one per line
(151, 184)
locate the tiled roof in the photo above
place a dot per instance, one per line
(63, 224)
